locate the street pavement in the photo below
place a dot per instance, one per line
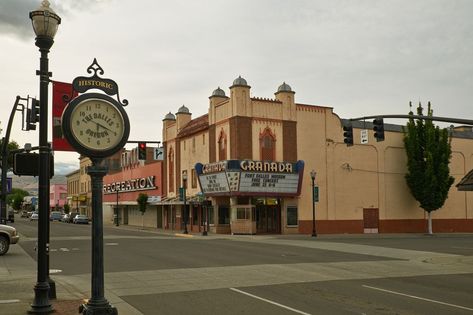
(152, 272)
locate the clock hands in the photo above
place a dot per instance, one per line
(104, 127)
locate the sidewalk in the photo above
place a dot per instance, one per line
(17, 281)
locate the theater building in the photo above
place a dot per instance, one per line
(248, 162)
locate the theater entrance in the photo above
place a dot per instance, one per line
(268, 216)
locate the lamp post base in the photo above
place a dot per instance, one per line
(314, 234)
(204, 233)
(100, 308)
(41, 303)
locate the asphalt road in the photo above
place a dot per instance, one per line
(162, 274)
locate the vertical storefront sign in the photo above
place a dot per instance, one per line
(61, 91)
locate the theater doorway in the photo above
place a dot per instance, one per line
(268, 216)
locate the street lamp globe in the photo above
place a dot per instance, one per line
(312, 174)
(45, 22)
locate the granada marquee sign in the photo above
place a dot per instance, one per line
(248, 177)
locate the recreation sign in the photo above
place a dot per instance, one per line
(248, 177)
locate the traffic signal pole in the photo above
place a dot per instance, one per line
(6, 140)
(434, 118)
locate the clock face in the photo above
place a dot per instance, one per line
(97, 124)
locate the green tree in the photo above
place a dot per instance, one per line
(142, 201)
(67, 208)
(428, 150)
(15, 198)
(12, 145)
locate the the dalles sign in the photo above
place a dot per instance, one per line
(248, 177)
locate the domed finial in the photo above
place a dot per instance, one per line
(219, 92)
(183, 110)
(240, 81)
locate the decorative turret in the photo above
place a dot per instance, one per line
(168, 120)
(183, 117)
(218, 96)
(286, 95)
(240, 97)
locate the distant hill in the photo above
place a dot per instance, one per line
(30, 183)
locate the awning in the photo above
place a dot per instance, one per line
(466, 183)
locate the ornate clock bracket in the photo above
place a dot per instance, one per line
(83, 84)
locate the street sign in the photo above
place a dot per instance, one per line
(9, 185)
(316, 193)
(364, 136)
(158, 154)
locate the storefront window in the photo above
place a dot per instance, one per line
(292, 216)
(243, 213)
(223, 215)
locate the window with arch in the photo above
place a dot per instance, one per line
(267, 141)
(222, 146)
(171, 169)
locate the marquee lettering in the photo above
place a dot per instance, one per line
(260, 166)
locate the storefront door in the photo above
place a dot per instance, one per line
(268, 219)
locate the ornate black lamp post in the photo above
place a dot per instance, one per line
(312, 176)
(184, 184)
(116, 212)
(45, 24)
(204, 233)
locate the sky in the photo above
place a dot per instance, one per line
(360, 57)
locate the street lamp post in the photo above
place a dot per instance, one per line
(204, 233)
(45, 24)
(184, 184)
(312, 176)
(116, 212)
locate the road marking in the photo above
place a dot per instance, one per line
(8, 301)
(53, 250)
(111, 244)
(419, 298)
(269, 301)
(55, 270)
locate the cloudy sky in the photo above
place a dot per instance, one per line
(360, 57)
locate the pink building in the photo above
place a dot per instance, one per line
(57, 195)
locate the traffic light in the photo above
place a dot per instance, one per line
(32, 115)
(141, 150)
(29, 125)
(348, 134)
(34, 111)
(378, 128)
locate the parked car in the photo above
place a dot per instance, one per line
(34, 216)
(24, 214)
(8, 235)
(80, 218)
(69, 217)
(55, 216)
(65, 217)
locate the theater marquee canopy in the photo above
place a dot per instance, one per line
(250, 178)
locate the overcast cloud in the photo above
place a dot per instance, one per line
(359, 57)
